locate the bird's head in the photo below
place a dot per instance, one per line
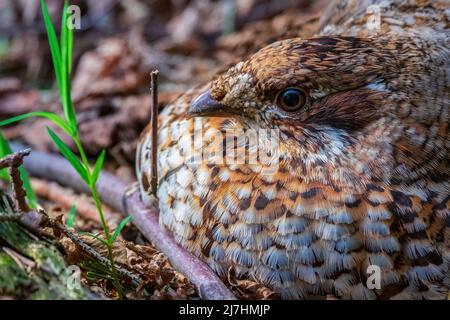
(334, 82)
(328, 96)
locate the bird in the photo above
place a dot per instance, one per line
(353, 199)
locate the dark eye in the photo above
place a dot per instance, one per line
(291, 99)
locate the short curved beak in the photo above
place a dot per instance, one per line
(205, 105)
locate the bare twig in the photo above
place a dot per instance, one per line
(14, 158)
(154, 136)
(31, 220)
(14, 161)
(111, 190)
(13, 217)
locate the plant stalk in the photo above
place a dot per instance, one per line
(98, 205)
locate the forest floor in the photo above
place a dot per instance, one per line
(119, 44)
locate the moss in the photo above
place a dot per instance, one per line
(13, 280)
(46, 280)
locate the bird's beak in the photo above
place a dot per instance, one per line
(205, 105)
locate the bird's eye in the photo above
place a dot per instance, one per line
(291, 99)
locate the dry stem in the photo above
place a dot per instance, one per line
(154, 132)
(14, 161)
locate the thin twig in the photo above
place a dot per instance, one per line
(31, 220)
(154, 132)
(12, 158)
(111, 190)
(14, 161)
(12, 217)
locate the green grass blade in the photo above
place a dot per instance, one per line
(53, 42)
(66, 62)
(98, 166)
(119, 228)
(44, 114)
(63, 42)
(71, 217)
(69, 155)
(4, 175)
(70, 49)
(5, 149)
(69, 42)
(31, 196)
(69, 46)
(93, 236)
(63, 36)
